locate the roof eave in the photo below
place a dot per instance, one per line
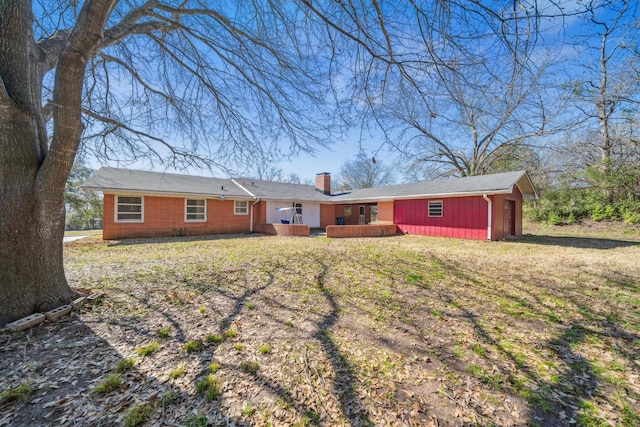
(426, 196)
(166, 193)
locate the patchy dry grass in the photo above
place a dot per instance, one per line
(405, 330)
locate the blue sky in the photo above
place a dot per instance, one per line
(331, 158)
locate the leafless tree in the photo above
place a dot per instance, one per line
(271, 173)
(191, 83)
(474, 119)
(364, 172)
(608, 91)
(199, 83)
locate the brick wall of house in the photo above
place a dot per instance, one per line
(369, 230)
(165, 216)
(354, 218)
(327, 215)
(259, 214)
(385, 213)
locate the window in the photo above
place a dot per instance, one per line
(347, 210)
(195, 210)
(435, 208)
(129, 209)
(241, 207)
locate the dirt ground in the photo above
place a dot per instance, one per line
(399, 331)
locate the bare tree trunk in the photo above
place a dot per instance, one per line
(31, 224)
(604, 109)
(32, 274)
(32, 172)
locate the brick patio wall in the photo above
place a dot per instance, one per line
(369, 230)
(284, 229)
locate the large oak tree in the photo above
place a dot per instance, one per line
(182, 82)
(195, 82)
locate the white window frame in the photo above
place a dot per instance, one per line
(435, 204)
(238, 209)
(116, 212)
(186, 210)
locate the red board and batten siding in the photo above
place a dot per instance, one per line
(502, 225)
(462, 217)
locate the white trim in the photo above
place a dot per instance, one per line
(235, 207)
(186, 199)
(115, 209)
(489, 215)
(242, 187)
(429, 208)
(138, 193)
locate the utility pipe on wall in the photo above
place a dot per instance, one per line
(489, 215)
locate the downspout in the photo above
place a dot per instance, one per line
(252, 205)
(489, 215)
(251, 216)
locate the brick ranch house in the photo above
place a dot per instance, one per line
(154, 204)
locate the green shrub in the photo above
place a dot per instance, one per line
(137, 415)
(601, 212)
(177, 372)
(15, 393)
(210, 386)
(264, 349)
(109, 384)
(124, 365)
(249, 367)
(196, 420)
(168, 397)
(147, 349)
(630, 210)
(214, 339)
(164, 332)
(192, 346)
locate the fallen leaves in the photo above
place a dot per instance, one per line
(350, 340)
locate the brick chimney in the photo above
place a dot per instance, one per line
(323, 182)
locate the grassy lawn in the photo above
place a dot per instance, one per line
(404, 330)
(70, 233)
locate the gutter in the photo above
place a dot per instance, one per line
(489, 215)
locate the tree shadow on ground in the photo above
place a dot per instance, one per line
(344, 385)
(239, 297)
(562, 399)
(541, 361)
(575, 242)
(65, 363)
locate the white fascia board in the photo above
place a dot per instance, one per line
(422, 196)
(253, 196)
(123, 191)
(319, 202)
